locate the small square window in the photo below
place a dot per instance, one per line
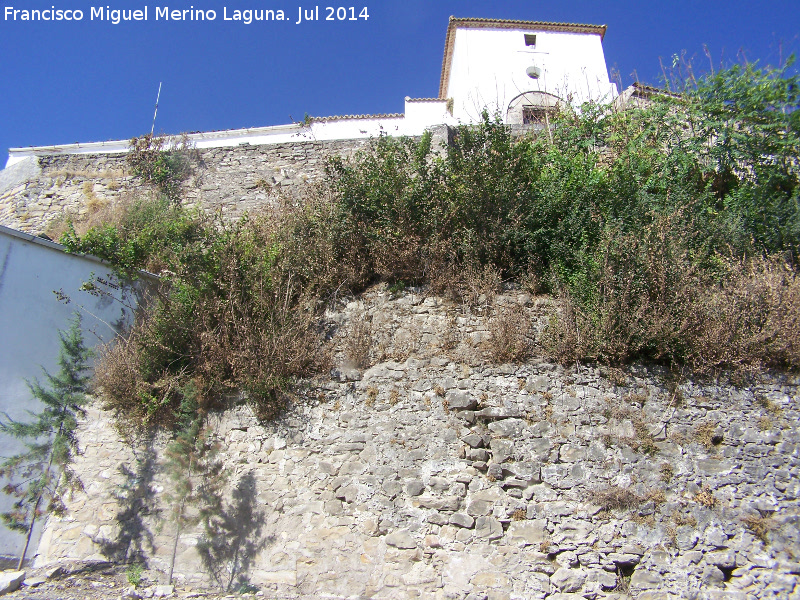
(530, 39)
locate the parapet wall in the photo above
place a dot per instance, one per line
(435, 474)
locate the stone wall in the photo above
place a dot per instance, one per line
(41, 190)
(436, 474)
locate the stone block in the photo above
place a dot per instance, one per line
(400, 539)
(495, 471)
(10, 581)
(488, 528)
(501, 449)
(724, 559)
(477, 454)
(163, 591)
(462, 520)
(473, 440)
(526, 533)
(460, 400)
(414, 487)
(491, 579)
(645, 580)
(523, 470)
(507, 427)
(275, 577)
(477, 507)
(571, 453)
(494, 413)
(568, 580)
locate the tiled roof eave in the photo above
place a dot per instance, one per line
(356, 117)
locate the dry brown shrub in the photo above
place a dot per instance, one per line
(451, 334)
(477, 286)
(510, 337)
(759, 526)
(704, 435)
(399, 258)
(321, 245)
(117, 376)
(372, 395)
(101, 212)
(358, 343)
(519, 514)
(256, 337)
(649, 298)
(751, 321)
(474, 286)
(705, 497)
(616, 498)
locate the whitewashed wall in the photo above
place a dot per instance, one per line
(31, 314)
(489, 69)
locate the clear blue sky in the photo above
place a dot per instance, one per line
(64, 82)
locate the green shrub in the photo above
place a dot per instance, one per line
(658, 226)
(166, 163)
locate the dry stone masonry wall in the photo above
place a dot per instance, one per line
(433, 474)
(233, 180)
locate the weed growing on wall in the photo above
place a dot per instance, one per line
(165, 163)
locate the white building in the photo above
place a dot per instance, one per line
(518, 69)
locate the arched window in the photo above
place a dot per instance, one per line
(531, 108)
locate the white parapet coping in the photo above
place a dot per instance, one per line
(420, 115)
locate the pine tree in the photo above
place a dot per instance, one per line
(39, 475)
(193, 466)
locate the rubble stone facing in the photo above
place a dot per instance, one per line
(465, 480)
(232, 180)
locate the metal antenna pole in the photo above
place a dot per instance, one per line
(158, 97)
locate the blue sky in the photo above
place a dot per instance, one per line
(63, 82)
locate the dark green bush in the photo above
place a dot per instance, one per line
(659, 227)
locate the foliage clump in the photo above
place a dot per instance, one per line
(658, 226)
(166, 163)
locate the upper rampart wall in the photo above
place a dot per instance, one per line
(40, 190)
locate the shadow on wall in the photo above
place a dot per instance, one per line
(234, 537)
(137, 503)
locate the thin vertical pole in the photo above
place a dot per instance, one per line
(158, 97)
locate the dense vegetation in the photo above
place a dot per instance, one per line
(670, 231)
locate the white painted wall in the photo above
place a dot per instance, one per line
(31, 269)
(489, 69)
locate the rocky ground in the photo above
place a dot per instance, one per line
(100, 581)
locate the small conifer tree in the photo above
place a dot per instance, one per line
(193, 467)
(38, 476)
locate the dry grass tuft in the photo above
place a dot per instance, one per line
(705, 497)
(372, 395)
(510, 338)
(704, 435)
(616, 498)
(358, 343)
(759, 526)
